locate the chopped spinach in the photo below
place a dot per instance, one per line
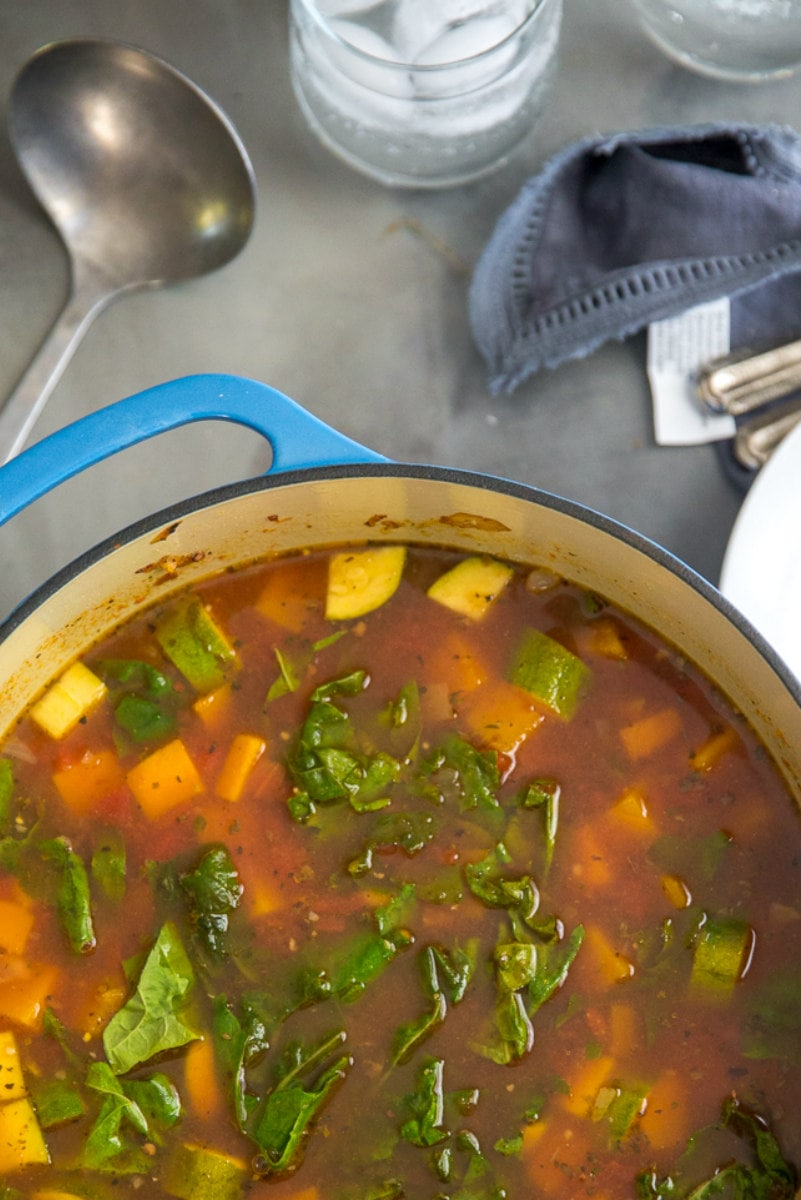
(156, 1016)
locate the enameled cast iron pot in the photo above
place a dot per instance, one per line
(324, 489)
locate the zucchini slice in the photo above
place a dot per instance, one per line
(362, 580)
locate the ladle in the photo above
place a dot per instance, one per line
(143, 176)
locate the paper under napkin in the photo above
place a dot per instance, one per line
(616, 232)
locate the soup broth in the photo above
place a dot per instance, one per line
(390, 872)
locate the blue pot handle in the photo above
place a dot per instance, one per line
(297, 438)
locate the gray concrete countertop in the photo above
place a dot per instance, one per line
(351, 297)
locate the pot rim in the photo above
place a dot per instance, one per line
(483, 481)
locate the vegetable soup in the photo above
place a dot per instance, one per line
(393, 872)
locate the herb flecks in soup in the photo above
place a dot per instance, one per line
(393, 873)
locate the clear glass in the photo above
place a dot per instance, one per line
(740, 40)
(423, 93)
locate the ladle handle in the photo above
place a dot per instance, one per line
(22, 409)
(298, 439)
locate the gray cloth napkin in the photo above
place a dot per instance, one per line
(619, 231)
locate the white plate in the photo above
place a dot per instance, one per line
(761, 573)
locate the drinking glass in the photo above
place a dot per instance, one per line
(423, 93)
(738, 40)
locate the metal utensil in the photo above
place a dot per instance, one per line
(757, 438)
(744, 381)
(143, 176)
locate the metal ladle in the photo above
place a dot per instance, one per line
(143, 176)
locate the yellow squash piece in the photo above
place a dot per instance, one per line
(362, 580)
(57, 1194)
(471, 586)
(66, 701)
(21, 1140)
(198, 1173)
(12, 1084)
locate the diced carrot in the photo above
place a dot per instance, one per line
(263, 899)
(606, 640)
(292, 593)
(244, 752)
(611, 965)
(454, 662)
(84, 783)
(24, 998)
(309, 1193)
(212, 707)
(710, 752)
(165, 778)
(631, 810)
(21, 1141)
(590, 863)
(623, 1029)
(16, 923)
(665, 1120)
(202, 1082)
(644, 737)
(501, 716)
(532, 1133)
(12, 1083)
(66, 701)
(584, 1088)
(106, 999)
(676, 891)
(557, 1154)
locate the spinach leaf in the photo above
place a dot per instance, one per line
(154, 1019)
(412, 1034)
(239, 1041)
(515, 964)
(289, 675)
(105, 1138)
(214, 889)
(452, 970)
(292, 1105)
(396, 911)
(456, 769)
(108, 865)
(403, 721)
(58, 1102)
(74, 908)
(147, 1106)
(512, 1036)
(143, 698)
(553, 963)
(488, 885)
(773, 1025)
(544, 794)
(407, 831)
(345, 685)
(424, 1126)
(363, 961)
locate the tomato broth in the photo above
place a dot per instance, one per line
(391, 872)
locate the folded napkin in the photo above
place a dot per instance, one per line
(619, 231)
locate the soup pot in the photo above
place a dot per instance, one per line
(323, 489)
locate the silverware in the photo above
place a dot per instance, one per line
(744, 381)
(757, 438)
